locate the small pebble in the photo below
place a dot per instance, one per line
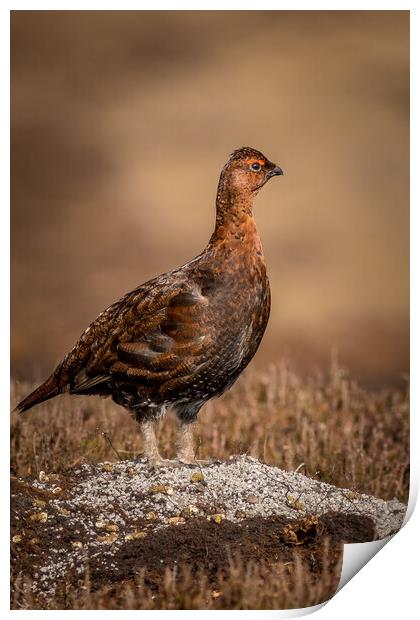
(135, 535)
(197, 476)
(294, 503)
(39, 517)
(63, 511)
(38, 503)
(175, 520)
(252, 499)
(217, 518)
(108, 538)
(160, 488)
(189, 511)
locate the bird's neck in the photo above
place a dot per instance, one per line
(235, 223)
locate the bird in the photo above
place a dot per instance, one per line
(185, 336)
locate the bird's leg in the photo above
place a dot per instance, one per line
(150, 449)
(185, 444)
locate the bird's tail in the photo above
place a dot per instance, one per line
(47, 390)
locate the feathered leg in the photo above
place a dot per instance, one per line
(185, 445)
(187, 417)
(185, 442)
(150, 446)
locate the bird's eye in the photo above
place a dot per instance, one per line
(255, 166)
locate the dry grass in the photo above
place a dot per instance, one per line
(330, 427)
(327, 426)
(246, 585)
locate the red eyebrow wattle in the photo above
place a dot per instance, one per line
(256, 161)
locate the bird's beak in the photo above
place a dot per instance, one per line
(276, 171)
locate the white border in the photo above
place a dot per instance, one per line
(386, 586)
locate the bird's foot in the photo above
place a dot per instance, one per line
(196, 462)
(156, 462)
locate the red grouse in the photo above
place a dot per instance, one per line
(186, 336)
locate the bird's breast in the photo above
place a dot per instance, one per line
(238, 309)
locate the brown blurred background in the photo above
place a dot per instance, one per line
(121, 122)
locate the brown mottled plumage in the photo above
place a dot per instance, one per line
(185, 336)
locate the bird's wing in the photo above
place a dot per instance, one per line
(157, 340)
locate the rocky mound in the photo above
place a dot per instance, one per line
(114, 519)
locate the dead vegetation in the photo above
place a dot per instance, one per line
(328, 427)
(295, 581)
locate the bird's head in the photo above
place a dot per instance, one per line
(247, 170)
